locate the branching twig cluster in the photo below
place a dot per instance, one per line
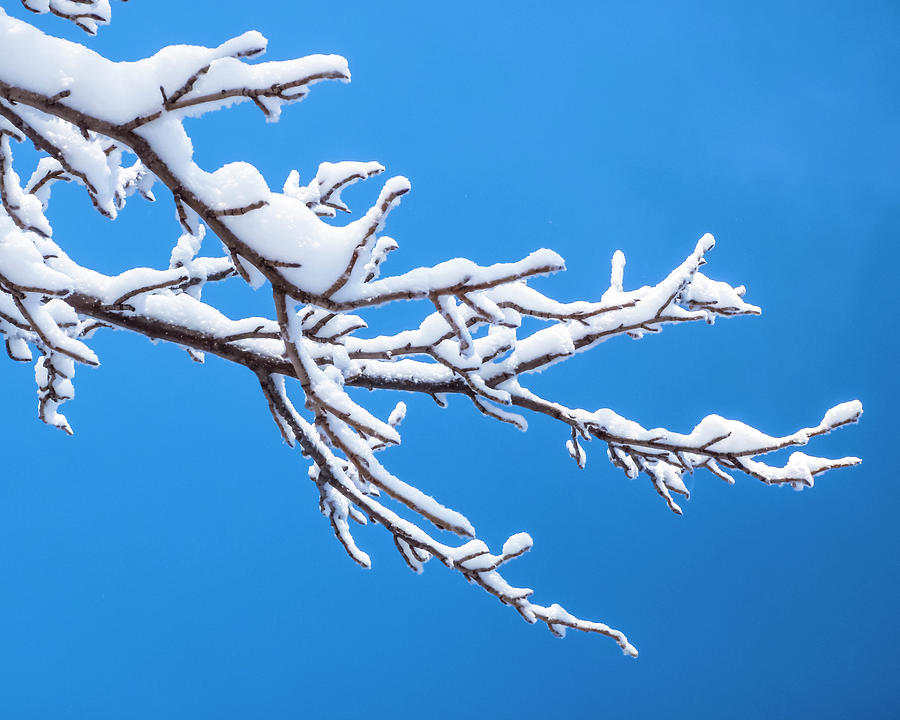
(321, 275)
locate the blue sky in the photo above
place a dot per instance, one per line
(170, 560)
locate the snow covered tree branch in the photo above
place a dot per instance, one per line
(116, 129)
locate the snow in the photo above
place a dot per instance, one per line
(397, 414)
(22, 266)
(58, 65)
(116, 128)
(87, 14)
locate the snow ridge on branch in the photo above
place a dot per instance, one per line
(323, 277)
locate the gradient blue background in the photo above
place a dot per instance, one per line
(170, 561)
